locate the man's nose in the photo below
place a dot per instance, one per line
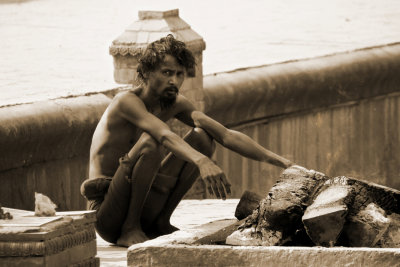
(173, 79)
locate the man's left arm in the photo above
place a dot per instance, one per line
(233, 140)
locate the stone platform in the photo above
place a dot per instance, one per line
(66, 239)
(189, 214)
(182, 248)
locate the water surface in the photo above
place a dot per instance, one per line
(52, 48)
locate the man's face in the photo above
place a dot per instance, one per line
(166, 80)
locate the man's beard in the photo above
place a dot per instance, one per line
(167, 100)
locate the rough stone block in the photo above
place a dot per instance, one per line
(325, 217)
(285, 203)
(282, 209)
(367, 227)
(391, 238)
(367, 192)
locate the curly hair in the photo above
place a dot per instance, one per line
(155, 52)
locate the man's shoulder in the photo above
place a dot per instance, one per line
(125, 97)
(131, 93)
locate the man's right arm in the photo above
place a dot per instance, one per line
(131, 108)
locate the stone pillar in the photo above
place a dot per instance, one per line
(151, 26)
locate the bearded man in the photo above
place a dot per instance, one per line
(139, 169)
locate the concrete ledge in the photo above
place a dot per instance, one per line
(45, 148)
(184, 255)
(178, 249)
(250, 94)
(48, 130)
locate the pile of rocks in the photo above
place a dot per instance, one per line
(306, 208)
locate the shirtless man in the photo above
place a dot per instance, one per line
(129, 145)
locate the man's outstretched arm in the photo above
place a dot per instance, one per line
(237, 141)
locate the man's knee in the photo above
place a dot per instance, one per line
(200, 140)
(150, 147)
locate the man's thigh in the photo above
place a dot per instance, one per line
(112, 212)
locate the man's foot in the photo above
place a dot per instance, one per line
(131, 237)
(157, 231)
(164, 227)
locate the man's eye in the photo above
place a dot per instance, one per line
(167, 72)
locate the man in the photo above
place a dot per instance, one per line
(129, 143)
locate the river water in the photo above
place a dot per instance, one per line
(53, 48)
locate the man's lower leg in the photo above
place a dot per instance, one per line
(187, 174)
(187, 177)
(142, 178)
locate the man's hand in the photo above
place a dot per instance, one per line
(214, 178)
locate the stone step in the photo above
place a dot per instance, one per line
(67, 238)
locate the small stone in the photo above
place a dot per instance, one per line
(8, 216)
(248, 202)
(44, 206)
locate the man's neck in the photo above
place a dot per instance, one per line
(151, 102)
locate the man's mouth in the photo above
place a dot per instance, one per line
(171, 91)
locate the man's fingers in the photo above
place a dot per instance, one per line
(226, 184)
(221, 189)
(215, 188)
(208, 185)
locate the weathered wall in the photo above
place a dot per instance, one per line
(338, 114)
(45, 148)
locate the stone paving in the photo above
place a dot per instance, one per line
(188, 214)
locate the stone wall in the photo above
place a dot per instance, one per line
(45, 148)
(337, 114)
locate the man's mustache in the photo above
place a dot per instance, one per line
(172, 88)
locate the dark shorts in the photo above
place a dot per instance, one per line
(112, 208)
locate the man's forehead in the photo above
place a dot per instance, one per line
(170, 62)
